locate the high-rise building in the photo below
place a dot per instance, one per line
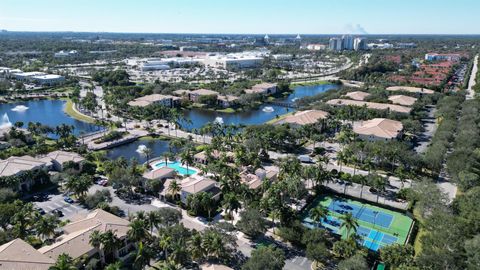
(335, 44)
(347, 42)
(359, 44)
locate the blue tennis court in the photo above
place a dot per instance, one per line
(361, 213)
(370, 238)
(377, 227)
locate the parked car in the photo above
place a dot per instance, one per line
(305, 159)
(40, 211)
(68, 199)
(57, 212)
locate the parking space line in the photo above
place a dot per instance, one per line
(303, 261)
(294, 259)
(58, 205)
(67, 209)
(76, 207)
(48, 207)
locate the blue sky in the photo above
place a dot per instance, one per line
(244, 16)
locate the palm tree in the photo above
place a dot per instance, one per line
(79, 185)
(170, 265)
(349, 223)
(167, 156)
(187, 158)
(114, 266)
(137, 231)
(230, 203)
(46, 226)
(95, 239)
(363, 181)
(141, 215)
(174, 188)
(214, 245)
(196, 247)
(110, 243)
(143, 256)
(179, 252)
(342, 158)
(153, 220)
(164, 243)
(146, 152)
(64, 262)
(318, 213)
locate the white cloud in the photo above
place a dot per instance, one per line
(354, 29)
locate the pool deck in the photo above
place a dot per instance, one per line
(154, 162)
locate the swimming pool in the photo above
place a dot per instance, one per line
(177, 166)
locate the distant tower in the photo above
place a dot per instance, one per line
(298, 38)
(266, 39)
(348, 42)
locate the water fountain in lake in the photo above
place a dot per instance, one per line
(5, 122)
(268, 109)
(141, 149)
(219, 120)
(20, 108)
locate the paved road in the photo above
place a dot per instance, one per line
(430, 126)
(471, 83)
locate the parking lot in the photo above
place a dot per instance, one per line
(55, 201)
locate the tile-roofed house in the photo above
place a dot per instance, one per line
(370, 105)
(181, 92)
(166, 100)
(402, 100)
(410, 89)
(19, 255)
(196, 94)
(18, 165)
(302, 118)
(226, 100)
(58, 158)
(160, 174)
(357, 95)
(196, 184)
(255, 180)
(263, 89)
(202, 157)
(76, 237)
(379, 129)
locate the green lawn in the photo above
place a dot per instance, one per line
(70, 111)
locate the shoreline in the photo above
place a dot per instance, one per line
(72, 112)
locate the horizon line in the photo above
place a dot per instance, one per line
(206, 33)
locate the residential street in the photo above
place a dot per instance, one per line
(471, 83)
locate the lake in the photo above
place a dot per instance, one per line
(47, 112)
(133, 149)
(264, 113)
